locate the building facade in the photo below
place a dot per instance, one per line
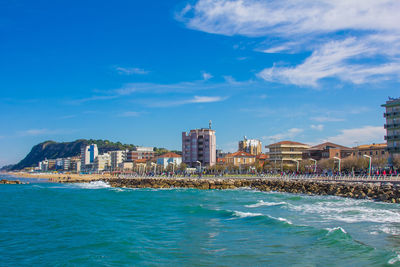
(251, 146)
(199, 145)
(240, 158)
(392, 126)
(117, 157)
(327, 150)
(102, 162)
(286, 152)
(140, 153)
(88, 154)
(169, 158)
(378, 151)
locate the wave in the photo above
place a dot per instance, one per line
(262, 203)
(246, 214)
(93, 185)
(336, 229)
(349, 211)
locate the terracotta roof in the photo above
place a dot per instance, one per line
(170, 155)
(221, 160)
(141, 161)
(372, 146)
(288, 143)
(240, 154)
(328, 144)
(262, 156)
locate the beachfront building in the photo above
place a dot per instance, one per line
(286, 152)
(251, 146)
(102, 162)
(199, 147)
(117, 157)
(140, 152)
(327, 150)
(378, 151)
(392, 126)
(240, 158)
(169, 158)
(88, 154)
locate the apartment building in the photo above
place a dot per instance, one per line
(378, 151)
(88, 154)
(240, 158)
(251, 146)
(392, 126)
(117, 157)
(199, 146)
(286, 152)
(327, 150)
(140, 153)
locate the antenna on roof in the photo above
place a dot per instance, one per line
(209, 124)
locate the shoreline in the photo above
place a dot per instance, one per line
(377, 191)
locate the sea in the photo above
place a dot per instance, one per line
(93, 224)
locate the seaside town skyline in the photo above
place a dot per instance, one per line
(166, 67)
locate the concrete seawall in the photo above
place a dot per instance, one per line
(375, 191)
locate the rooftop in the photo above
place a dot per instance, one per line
(288, 143)
(240, 154)
(372, 146)
(328, 145)
(170, 155)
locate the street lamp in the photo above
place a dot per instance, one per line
(370, 159)
(339, 162)
(297, 163)
(315, 164)
(199, 162)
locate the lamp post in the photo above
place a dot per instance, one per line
(339, 162)
(295, 160)
(370, 161)
(199, 162)
(315, 164)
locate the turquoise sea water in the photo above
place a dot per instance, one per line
(49, 224)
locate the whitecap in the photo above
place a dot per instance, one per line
(246, 214)
(93, 185)
(394, 260)
(262, 203)
(330, 230)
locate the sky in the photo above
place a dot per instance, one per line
(142, 72)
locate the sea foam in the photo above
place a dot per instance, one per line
(262, 203)
(93, 185)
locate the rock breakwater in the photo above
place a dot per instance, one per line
(4, 181)
(374, 191)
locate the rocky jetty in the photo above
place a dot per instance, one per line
(375, 191)
(4, 181)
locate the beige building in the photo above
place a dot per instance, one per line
(251, 146)
(286, 152)
(374, 150)
(117, 157)
(240, 158)
(102, 162)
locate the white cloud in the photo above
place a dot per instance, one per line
(291, 133)
(319, 127)
(44, 131)
(206, 75)
(130, 71)
(345, 36)
(326, 119)
(130, 114)
(364, 135)
(193, 100)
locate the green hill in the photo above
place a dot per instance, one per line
(53, 150)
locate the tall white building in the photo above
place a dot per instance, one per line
(88, 155)
(117, 157)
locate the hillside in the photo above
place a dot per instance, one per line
(53, 150)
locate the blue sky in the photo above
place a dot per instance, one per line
(142, 72)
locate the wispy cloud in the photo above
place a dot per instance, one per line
(327, 119)
(289, 134)
(193, 100)
(44, 131)
(130, 71)
(371, 33)
(363, 135)
(130, 114)
(206, 75)
(319, 127)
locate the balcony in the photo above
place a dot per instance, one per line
(392, 126)
(394, 114)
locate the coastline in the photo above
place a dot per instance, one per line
(377, 191)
